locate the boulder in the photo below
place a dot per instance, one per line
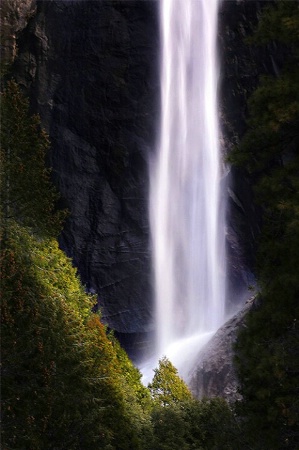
(215, 374)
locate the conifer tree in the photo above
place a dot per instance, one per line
(27, 194)
(167, 388)
(65, 384)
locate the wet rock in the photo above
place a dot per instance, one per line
(215, 375)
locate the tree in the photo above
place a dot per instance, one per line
(267, 348)
(170, 428)
(47, 393)
(208, 424)
(212, 425)
(167, 388)
(64, 384)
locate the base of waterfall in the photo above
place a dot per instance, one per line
(187, 197)
(205, 361)
(214, 374)
(182, 353)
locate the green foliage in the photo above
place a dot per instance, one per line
(268, 368)
(178, 421)
(279, 22)
(212, 425)
(27, 194)
(274, 106)
(169, 428)
(167, 388)
(63, 384)
(136, 395)
(193, 424)
(40, 363)
(121, 412)
(267, 348)
(274, 110)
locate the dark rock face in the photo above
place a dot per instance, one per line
(215, 374)
(239, 77)
(90, 68)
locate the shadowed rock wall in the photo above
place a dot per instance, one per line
(90, 69)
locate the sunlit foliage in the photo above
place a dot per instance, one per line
(65, 382)
(167, 388)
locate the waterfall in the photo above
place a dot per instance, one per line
(187, 217)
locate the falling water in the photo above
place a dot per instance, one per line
(187, 221)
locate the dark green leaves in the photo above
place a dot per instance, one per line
(268, 362)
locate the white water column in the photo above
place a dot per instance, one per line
(187, 220)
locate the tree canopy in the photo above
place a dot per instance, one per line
(167, 388)
(268, 358)
(66, 383)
